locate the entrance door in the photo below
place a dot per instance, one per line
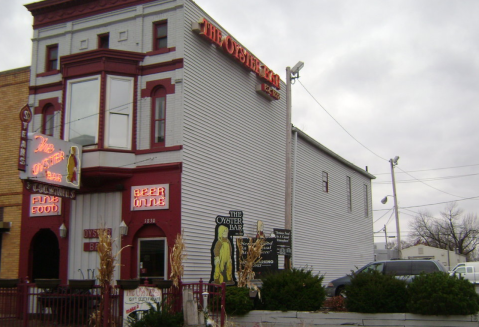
(152, 258)
(45, 255)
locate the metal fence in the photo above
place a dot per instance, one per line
(26, 305)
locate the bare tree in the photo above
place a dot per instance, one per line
(453, 230)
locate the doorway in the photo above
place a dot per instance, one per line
(45, 262)
(152, 258)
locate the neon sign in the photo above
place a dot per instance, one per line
(230, 46)
(52, 161)
(45, 205)
(150, 197)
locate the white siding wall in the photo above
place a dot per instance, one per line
(92, 211)
(234, 148)
(326, 236)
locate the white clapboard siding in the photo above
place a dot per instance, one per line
(91, 211)
(327, 237)
(233, 149)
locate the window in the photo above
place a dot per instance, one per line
(52, 58)
(152, 258)
(119, 109)
(48, 120)
(160, 35)
(158, 100)
(366, 201)
(104, 41)
(83, 100)
(325, 182)
(348, 191)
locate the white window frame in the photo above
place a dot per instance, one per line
(68, 105)
(165, 272)
(124, 112)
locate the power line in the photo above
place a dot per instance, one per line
(430, 169)
(430, 179)
(340, 124)
(432, 204)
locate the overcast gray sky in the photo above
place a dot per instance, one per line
(400, 76)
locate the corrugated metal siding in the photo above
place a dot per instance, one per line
(91, 211)
(234, 148)
(327, 237)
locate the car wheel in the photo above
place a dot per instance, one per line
(341, 291)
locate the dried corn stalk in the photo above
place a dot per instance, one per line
(176, 260)
(247, 262)
(105, 272)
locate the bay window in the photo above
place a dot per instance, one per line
(83, 112)
(118, 112)
(83, 106)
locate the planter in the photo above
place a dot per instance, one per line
(161, 283)
(128, 284)
(253, 293)
(8, 283)
(81, 284)
(47, 283)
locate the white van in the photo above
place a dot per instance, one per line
(468, 270)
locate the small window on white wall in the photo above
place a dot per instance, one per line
(119, 112)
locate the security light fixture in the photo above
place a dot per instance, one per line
(63, 231)
(395, 160)
(123, 228)
(295, 70)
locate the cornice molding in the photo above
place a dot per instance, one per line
(50, 12)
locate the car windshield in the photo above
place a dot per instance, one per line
(374, 266)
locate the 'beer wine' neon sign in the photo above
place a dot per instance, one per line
(150, 197)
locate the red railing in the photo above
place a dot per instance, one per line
(29, 306)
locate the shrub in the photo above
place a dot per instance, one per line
(441, 294)
(159, 315)
(295, 289)
(335, 303)
(237, 301)
(373, 292)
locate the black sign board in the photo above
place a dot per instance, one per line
(283, 238)
(269, 257)
(234, 222)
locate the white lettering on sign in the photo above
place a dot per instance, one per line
(150, 197)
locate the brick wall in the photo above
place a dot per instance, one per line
(14, 95)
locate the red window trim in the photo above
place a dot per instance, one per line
(158, 92)
(50, 109)
(155, 35)
(48, 61)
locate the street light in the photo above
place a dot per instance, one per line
(394, 162)
(291, 74)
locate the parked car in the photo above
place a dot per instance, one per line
(404, 269)
(467, 270)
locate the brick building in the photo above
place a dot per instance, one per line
(14, 94)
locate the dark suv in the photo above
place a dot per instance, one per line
(404, 269)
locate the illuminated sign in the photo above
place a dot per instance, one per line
(214, 35)
(45, 205)
(150, 197)
(25, 118)
(267, 91)
(93, 233)
(52, 161)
